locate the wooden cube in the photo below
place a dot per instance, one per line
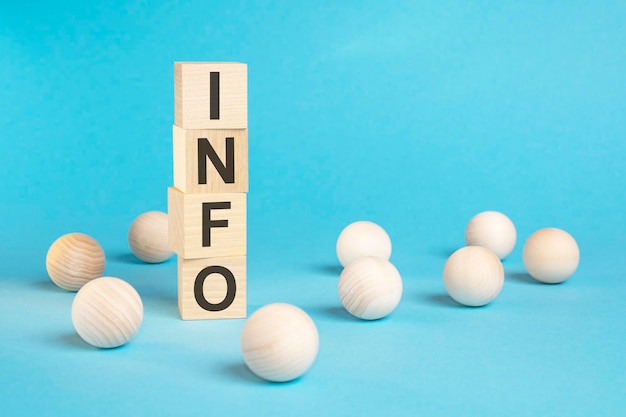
(210, 161)
(206, 225)
(211, 95)
(213, 288)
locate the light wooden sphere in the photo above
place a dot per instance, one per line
(147, 237)
(361, 239)
(73, 260)
(279, 342)
(551, 255)
(107, 312)
(370, 288)
(491, 230)
(473, 276)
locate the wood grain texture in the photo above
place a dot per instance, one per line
(370, 288)
(192, 95)
(107, 312)
(73, 260)
(147, 237)
(362, 238)
(279, 342)
(492, 230)
(186, 160)
(473, 276)
(186, 226)
(214, 288)
(551, 255)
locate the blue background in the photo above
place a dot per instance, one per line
(416, 115)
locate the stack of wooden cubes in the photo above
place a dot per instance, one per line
(207, 204)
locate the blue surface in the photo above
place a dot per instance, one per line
(416, 116)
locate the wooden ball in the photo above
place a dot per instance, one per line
(473, 276)
(107, 312)
(370, 288)
(551, 255)
(73, 260)
(361, 239)
(492, 230)
(148, 237)
(279, 342)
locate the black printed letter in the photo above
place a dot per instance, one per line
(214, 96)
(207, 223)
(230, 291)
(226, 171)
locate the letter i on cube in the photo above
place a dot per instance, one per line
(207, 204)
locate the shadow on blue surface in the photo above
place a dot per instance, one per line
(443, 253)
(46, 284)
(442, 300)
(241, 372)
(521, 277)
(333, 313)
(333, 269)
(72, 340)
(126, 258)
(338, 313)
